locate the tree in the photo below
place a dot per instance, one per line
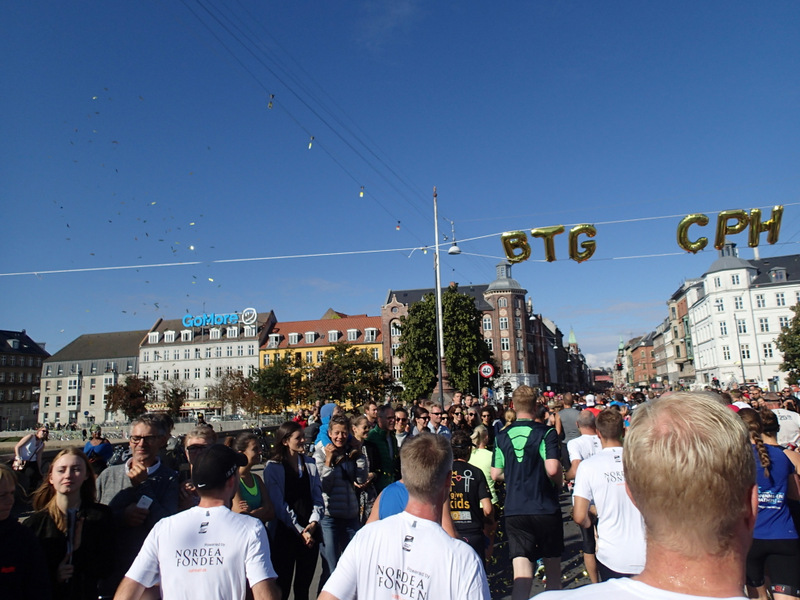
(464, 347)
(278, 384)
(788, 342)
(176, 392)
(362, 375)
(129, 396)
(235, 391)
(327, 382)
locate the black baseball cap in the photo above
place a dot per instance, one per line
(215, 465)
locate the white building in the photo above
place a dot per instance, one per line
(74, 379)
(195, 352)
(739, 312)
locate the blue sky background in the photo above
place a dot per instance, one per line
(138, 133)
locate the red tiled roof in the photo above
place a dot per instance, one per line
(321, 327)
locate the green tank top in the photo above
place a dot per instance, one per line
(251, 495)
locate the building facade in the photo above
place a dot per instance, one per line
(192, 354)
(740, 310)
(20, 373)
(74, 379)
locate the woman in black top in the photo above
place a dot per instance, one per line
(296, 493)
(72, 528)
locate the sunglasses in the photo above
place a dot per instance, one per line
(436, 413)
(145, 439)
(424, 418)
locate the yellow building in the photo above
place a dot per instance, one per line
(308, 341)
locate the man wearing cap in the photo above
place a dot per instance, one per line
(789, 432)
(208, 550)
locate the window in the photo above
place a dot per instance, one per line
(294, 338)
(767, 349)
(780, 299)
(673, 312)
(517, 323)
(744, 349)
(717, 282)
(232, 332)
(741, 326)
(218, 351)
(737, 303)
(208, 352)
(176, 354)
(310, 337)
(726, 353)
(520, 366)
(266, 360)
(46, 383)
(723, 328)
(155, 375)
(250, 330)
(197, 353)
(91, 399)
(187, 373)
(251, 349)
(489, 343)
(169, 337)
(166, 374)
(208, 372)
(240, 350)
(506, 367)
(48, 370)
(760, 301)
(503, 323)
(58, 401)
(92, 383)
(72, 401)
(229, 351)
(783, 322)
(352, 335)
(375, 354)
(186, 335)
(502, 303)
(196, 393)
(197, 373)
(152, 337)
(320, 356)
(397, 372)
(333, 336)
(487, 323)
(72, 383)
(187, 353)
(60, 368)
(47, 401)
(763, 324)
(218, 372)
(274, 340)
(394, 328)
(720, 304)
(215, 333)
(93, 367)
(678, 351)
(370, 334)
(309, 356)
(394, 349)
(59, 384)
(519, 344)
(505, 344)
(735, 279)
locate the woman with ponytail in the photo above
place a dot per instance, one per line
(775, 550)
(72, 528)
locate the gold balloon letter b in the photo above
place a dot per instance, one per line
(516, 240)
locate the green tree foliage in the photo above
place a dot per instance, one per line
(464, 348)
(362, 375)
(788, 342)
(279, 385)
(328, 381)
(129, 396)
(176, 392)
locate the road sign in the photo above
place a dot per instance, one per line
(86, 413)
(486, 370)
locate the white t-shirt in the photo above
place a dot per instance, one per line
(404, 557)
(204, 553)
(790, 426)
(620, 527)
(583, 447)
(622, 589)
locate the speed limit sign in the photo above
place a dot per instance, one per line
(486, 370)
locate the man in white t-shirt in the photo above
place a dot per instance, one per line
(601, 480)
(789, 433)
(697, 541)
(579, 449)
(206, 551)
(409, 555)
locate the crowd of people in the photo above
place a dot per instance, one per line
(689, 494)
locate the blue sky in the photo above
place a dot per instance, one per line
(139, 133)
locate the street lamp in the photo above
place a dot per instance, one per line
(454, 249)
